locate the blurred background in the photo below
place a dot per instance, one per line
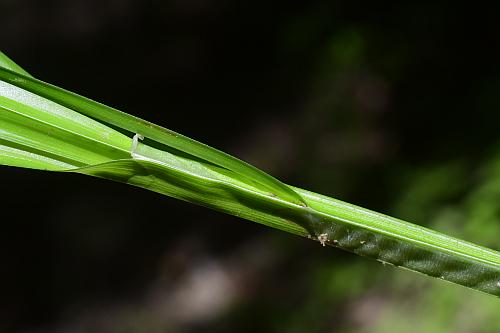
(394, 108)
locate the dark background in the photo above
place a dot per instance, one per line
(394, 108)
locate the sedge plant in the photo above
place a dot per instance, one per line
(48, 128)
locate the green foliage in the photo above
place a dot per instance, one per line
(49, 128)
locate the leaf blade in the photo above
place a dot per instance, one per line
(160, 134)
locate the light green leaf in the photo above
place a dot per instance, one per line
(46, 127)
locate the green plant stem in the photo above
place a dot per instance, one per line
(46, 127)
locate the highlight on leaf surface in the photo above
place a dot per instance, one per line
(46, 127)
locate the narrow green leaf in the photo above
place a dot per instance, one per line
(6, 62)
(48, 128)
(154, 132)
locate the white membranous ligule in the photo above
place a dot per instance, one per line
(135, 143)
